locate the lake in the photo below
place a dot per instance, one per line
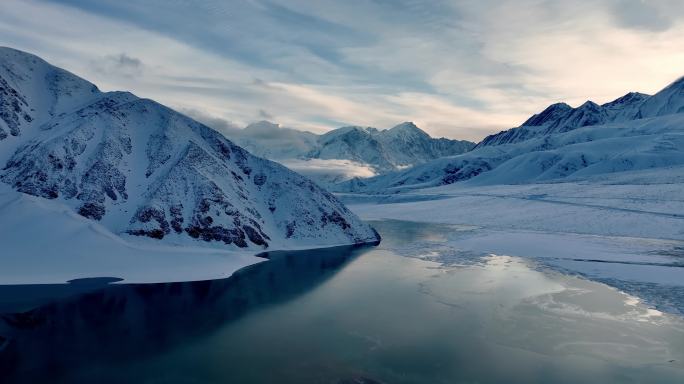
(385, 314)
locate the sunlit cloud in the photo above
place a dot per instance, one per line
(457, 69)
(331, 169)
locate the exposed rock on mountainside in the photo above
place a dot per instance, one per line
(141, 168)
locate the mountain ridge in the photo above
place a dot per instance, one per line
(560, 117)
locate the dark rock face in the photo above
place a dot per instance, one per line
(157, 217)
(336, 219)
(13, 110)
(464, 171)
(92, 211)
(48, 168)
(206, 209)
(260, 179)
(255, 236)
(177, 217)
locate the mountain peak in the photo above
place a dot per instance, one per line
(8, 52)
(406, 125)
(346, 130)
(668, 101)
(630, 98)
(552, 112)
(262, 125)
(406, 128)
(679, 82)
(589, 105)
(32, 91)
(676, 86)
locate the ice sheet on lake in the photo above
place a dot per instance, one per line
(617, 231)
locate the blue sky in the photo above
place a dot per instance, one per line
(460, 69)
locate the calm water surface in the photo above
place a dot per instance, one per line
(343, 315)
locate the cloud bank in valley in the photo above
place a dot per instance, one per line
(332, 169)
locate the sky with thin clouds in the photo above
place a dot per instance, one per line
(460, 69)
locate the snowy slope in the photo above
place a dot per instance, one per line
(140, 168)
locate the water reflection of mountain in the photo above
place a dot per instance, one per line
(125, 322)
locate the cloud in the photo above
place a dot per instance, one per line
(122, 60)
(262, 138)
(337, 170)
(119, 64)
(459, 69)
(217, 123)
(649, 15)
(265, 115)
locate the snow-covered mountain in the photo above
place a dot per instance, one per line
(560, 117)
(140, 168)
(652, 137)
(384, 150)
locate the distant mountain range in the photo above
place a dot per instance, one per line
(380, 151)
(142, 169)
(634, 132)
(399, 147)
(558, 118)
